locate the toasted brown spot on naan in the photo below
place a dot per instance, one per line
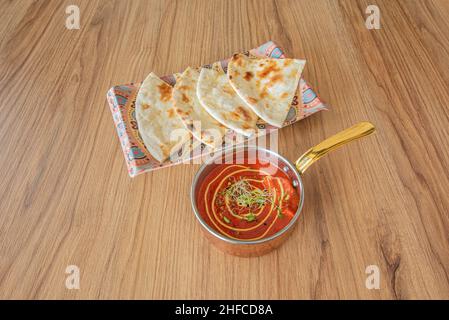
(252, 100)
(185, 98)
(244, 113)
(235, 115)
(184, 88)
(183, 113)
(276, 78)
(284, 95)
(287, 62)
(171, 112)
(271, 67)
(263, 93)
(165, 92)
(229, 90)
(238, 59)
(145, 106)
(248, 75)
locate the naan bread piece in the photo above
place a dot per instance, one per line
(223, 103)
(195, 118)
(267, 85)
(161, 129)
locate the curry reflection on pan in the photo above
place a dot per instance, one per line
(241, 247)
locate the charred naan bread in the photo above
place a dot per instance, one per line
(223, 103)
(161, 129)
(195, 118)
(267, 85)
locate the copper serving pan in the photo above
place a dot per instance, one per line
(294, 171)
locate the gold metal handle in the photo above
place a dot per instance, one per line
(313, 154)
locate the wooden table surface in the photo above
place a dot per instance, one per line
(66, 197)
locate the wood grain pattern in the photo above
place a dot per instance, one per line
(66, 198)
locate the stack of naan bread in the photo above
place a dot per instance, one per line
(208, 102)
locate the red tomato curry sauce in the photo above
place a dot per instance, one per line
(244, 202)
